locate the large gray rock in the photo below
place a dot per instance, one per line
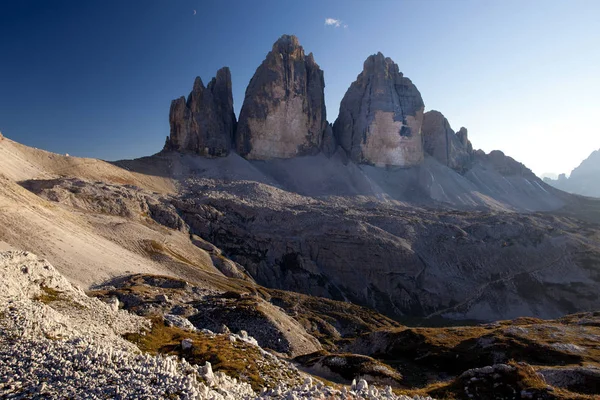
(205, 122)
(283, 114)
(380, 117)
(440, 141)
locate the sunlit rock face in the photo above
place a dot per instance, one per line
(381, 116)
(205, 122)
(451, 149)
(283, 114)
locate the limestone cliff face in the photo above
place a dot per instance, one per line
(440, 141)
(205, 122)
(283, 114)
(380, 116)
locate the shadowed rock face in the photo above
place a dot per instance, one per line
(401, 261)
(440, 141)
(463, 136)
(205, 123)
(283, 114)
(381, 116)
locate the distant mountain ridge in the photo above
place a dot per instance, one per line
(584, 180)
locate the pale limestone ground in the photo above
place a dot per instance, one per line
(88, 248)
(71, 346)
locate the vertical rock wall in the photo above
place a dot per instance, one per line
(440, 141)
(283, 114)
(380, 117)
(205, 122)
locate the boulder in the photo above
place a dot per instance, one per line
(187, 344)
(283, 114)
(204, 123)
(440, 141)
(380, 117)
(179, 322)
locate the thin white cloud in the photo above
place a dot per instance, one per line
(334, 22)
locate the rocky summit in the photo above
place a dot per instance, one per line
(451, 149)
(283, 114)
(380, 117)
(204, 123)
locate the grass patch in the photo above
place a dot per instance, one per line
(48, 295)
(422, 354)
(238, 359)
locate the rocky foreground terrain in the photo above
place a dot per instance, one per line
(282, 256)
(56, 342)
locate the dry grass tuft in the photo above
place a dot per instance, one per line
(48, 295)
(236, 359)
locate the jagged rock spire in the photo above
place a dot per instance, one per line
(440, 141)
(205, 122)
(283, 114)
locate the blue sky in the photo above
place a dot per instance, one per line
(95, 78)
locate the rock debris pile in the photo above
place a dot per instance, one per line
(56, 342)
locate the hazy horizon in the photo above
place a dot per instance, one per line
(96, 79)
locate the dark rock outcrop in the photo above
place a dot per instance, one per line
(205, 122)
(439, 140)
(283, 114)
(381, 116)
(400, 260)
(329, 143)
(215, 311)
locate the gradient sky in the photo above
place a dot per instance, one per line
(95, 78)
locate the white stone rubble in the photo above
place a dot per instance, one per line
(56, 342)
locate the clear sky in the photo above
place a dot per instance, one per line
(95, 78)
